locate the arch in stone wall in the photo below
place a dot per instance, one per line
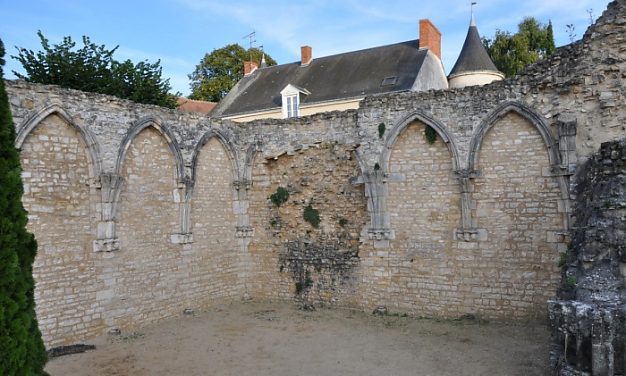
(140, 125)
(537, 121)
(427, 120)
(89, 139)
(499, 112)
(517, 202)
(251, 153)
(227, 143)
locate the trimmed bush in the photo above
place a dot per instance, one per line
(21, 348)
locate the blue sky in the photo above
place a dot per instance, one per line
(180, 32)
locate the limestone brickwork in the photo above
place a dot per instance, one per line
(59, 198)
(518, 205)
(141, 211)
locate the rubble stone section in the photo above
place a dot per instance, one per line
(588, 320)
(292, 259)
(59, 201)
(515, 269)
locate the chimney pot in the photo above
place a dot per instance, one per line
(306, 55)
(249, 67)
(430, 37)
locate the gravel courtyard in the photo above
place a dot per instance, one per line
(278, 339)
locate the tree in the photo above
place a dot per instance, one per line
(21, 348)
(512, 52)
(220, 70)
(92, 68)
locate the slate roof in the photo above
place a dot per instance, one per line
(473, 55)
(343, 76)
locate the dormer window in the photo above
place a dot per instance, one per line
(291, 99)
(293, 109)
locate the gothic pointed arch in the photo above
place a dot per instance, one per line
(525, 112)
(156, 123)
(227, 143)
(427, 120)
(89, 139)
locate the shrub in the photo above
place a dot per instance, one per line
(280, 196)
(312, 216)
(21, 349)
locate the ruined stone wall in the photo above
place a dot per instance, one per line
(308, 260)
(142, 211)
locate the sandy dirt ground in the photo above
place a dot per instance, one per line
(278, 339)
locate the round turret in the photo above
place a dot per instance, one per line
(474, 66)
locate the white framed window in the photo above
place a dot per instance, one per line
(293, 109)
(292, 97)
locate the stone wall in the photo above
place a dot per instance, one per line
(142, 212)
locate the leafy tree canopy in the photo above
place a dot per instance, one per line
(92, 68)
(512, 52)
(220, 70)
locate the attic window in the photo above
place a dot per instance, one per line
(292, 105)
(389, 81)
(291, 97)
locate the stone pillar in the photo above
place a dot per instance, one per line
(468, 231)
(109, 185)
(376, 190)
(182, 196)
(243, 232)
(567, 142)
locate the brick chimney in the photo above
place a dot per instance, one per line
(249, 67)
(306, 55)
(430, 37)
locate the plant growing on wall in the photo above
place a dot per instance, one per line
(280, 196)
(381, 130)
(21, 349)
(430, 134)
(312, 216)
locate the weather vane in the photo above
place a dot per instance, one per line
(472, 11)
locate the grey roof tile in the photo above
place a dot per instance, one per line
(473, 57)
(342, 76)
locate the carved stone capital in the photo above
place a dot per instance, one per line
(244, 183)
(181, 238)
(380, 234)
(106, 245)
(470, 234)
(244, 232)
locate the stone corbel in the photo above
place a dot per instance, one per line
(109, 185)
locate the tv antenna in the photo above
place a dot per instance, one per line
(251, 40)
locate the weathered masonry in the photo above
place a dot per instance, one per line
(439, 203)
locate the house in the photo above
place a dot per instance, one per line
(192, 105)
(336, 82)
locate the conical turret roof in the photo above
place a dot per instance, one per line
(474, 56)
